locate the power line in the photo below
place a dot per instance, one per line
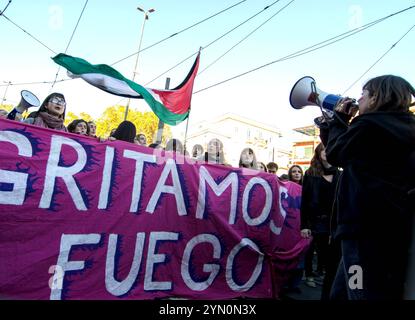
(312, 48)
(212, 42)
(378, 60)
(33, 83)
(76, 26)
(242, 23)
(290, 56)
(178, 32)
(30, 35)
(1, 12)
(70, 40)
(244, 38)
(178, 64)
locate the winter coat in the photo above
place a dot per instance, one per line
(376, 152)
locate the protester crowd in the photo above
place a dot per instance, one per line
(358, 195)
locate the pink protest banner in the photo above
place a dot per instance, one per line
(82, 219)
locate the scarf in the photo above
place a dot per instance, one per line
(46, 120)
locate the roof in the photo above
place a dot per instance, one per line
(308, 130)
(238, 118)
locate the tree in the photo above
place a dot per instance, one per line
(70, 116)
(86, 117)
(145, 122)
(7, 107)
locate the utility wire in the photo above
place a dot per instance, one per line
(378, 60)
(290, 56)
(70, 40)
(243, 39)
(185, 59)
(311, 48)
(306, 50)
(33, 83)
(1, 12)
(212, 42)
(178, 32)
(30, 35)
(242, 23)
(76, 26)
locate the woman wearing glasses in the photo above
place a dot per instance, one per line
(51, 113)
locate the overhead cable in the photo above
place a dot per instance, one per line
(178, 32)
(212, 42)
(309, 49)
(244, 38)
(378, 60)
(70, 40)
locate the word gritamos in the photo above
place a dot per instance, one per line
(138, 163)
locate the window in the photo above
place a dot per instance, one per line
(300, 153)
(308, 152)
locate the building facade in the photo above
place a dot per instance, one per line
(237, 133)
(306, 141)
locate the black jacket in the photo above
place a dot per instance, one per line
(376, 153)
(317, 202)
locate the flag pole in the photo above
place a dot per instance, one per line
(185, 134)
(187, 122)
(161, 123)
(146, 13)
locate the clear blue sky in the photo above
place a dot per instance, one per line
(110, 30)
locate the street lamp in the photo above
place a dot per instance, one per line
(146, 14)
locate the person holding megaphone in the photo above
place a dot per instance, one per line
(373, 201)
(51, 113)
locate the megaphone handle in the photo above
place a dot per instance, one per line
(314, 91)
(12, 114)
(317, 100)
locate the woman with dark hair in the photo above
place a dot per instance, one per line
(373, 200)
(262, 167)
(295, 174)
(79, 126)
(247, 159)
(126, 131)
(51, 113)
(317, 199)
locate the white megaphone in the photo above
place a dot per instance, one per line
(28, 100)
(305, 93)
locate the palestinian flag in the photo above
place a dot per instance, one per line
(171, 106)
